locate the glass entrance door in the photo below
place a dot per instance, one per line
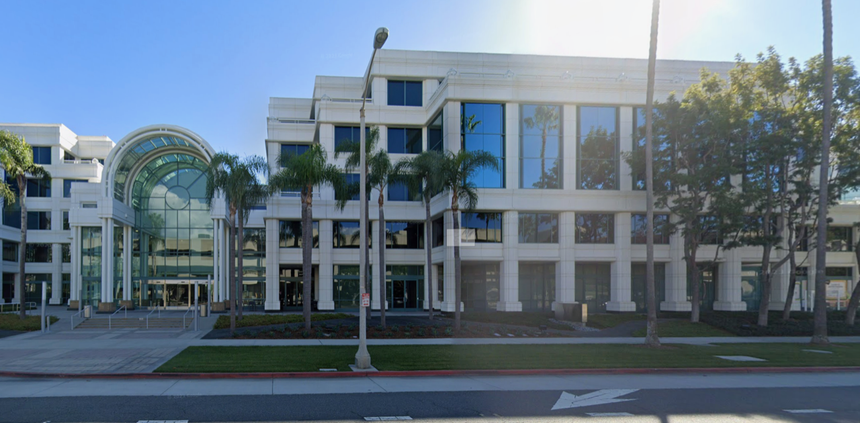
(405, 294)
(751, 287)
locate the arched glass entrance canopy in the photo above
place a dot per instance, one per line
(161, 174)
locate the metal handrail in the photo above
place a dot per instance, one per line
(150, 314)
(114, 313)
(72, 319)
(193, 316)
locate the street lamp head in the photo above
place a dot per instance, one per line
(380, 37)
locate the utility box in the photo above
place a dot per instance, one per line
(576, 312)
(88, 311)
(203, 312)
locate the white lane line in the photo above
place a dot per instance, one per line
(809, 411)
(622, 414)
(387, 418)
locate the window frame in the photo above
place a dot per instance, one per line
(503, 134)
(560, 154)
(616, 156)
(610, 229)
(486, 239)
(521, 235)
(405, 99)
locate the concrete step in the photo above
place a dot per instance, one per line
(134, 323)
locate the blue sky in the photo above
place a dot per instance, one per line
(109, 67)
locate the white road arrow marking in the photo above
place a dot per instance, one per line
(604, 396)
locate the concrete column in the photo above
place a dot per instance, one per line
(56, 275)
(626, 145)
(509, 285)
(379, 90)
(17, 295)
(375, 274)
(272, 266)
(451, 126)
(448, 290)
(326, 269)
(512, 146)
(75, 283)
(565, 281)
(107, 260)
(729, 283)
(126, 263)
(568, 150)
(676, 275)
(620, 289)
(431, 285)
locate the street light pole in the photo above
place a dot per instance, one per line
(362, 357)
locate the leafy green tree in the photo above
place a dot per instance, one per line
(16, 157)
(303, 172)
(455, 175)
(424, 169)
(237, 180)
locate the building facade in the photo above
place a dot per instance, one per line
(561, 222)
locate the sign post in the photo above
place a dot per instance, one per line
(44, 296)
(196, 304)
(365, 300)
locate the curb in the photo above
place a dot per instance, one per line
(431, 373)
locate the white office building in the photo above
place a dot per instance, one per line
(562, 222)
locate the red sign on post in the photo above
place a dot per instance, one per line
(365, 300)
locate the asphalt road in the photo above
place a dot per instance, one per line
(833, 404)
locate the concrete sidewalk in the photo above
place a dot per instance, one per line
(142, 351)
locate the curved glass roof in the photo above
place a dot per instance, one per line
(168, 170)
(132, 157)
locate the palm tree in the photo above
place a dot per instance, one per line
(424, 169)
(236, 179)
(455, 175)
(545, 119)
(303, 172)
(651, 338)
(16, 156)
(254, 193)
(819, 334)
(353, 160)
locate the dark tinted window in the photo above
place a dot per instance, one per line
(710, 233)
(10, 251)
(595, 228)
(42, 155)
(290, 234)
(353, 186)
(38, 188)
(538, 228)
(438, 232)
(435, 136)
(39, 220)
(405, 93)
(67, 186)
(404, 140)
(39, 253)
(399, 191)
(344, 134)
(638, 232)
(346, 234)
(294, 149)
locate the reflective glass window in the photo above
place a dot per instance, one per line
(404, 234)
(67, 186)
(538, 228)
(38, 187)
(294, 149)
(839, 238)
(346, 234)
(710, 230)
(399, 191)
(39, 253)
(345, 134)
(540, 146)
(352, 187)
(487, 226)
(10, 251)
(290, 234)
(597, 148)
(67, 252)
(595, 228)
(438, 232)
(660, 148)
(435, 134)
(39, 220)
(638, 231)
(42, 155)
(346, 287)
(482, 128)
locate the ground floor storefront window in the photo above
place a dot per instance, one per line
(708, 274)
(593, 285)
(480, 286)
(537, 286)
(292, 287)
(405, 287)
(637, 285)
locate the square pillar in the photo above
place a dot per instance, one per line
(107, 260)
(729, 283)
(568, 152)
(620, 289)
(512, 147)
(75, 283)
(451, 126)
(56, 275)
(325, 299)
(273, 270)
(676, 275)
(126, 263)
(509, 289)
(565, 281)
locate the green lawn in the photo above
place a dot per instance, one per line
(525, 318)
(684, 328)
(479, 357)
(610, 320)
(250, 320)
(7, 308)
(11, 321)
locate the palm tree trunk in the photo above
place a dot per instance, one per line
(792, 285)
(651, 338)
(428, 278)
(231, 266)
(851, 311)
(307, 249)
(240, 251)
(383, 294)
(819, 333)
(457, 282)
(22, 247)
